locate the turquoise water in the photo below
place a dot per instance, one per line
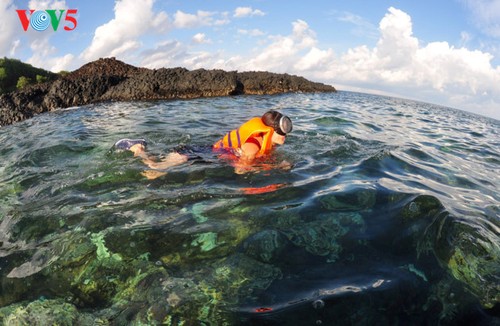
(388, 215)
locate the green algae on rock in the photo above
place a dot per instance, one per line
(322, 236)
(476, 264)
(46, 312)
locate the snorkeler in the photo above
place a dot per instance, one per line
(253, 139)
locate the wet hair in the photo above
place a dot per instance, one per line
(281, 123)
(270, 117)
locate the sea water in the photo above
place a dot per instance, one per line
(376, 210)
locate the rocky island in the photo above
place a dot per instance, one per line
(112, 80)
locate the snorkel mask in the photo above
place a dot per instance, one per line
(282, 125)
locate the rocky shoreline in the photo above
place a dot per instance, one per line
(112, 80)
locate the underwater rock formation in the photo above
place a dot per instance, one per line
(475, 264)
(46, 312)
(120, 276)
(112, 80)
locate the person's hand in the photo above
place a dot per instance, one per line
(152, 174)
(138, 149)
(172, 159)
(285, 165)
(244, 168)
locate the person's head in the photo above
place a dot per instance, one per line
(281, 124)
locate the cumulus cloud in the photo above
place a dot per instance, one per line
(11, 31)
(117, 37)
(434, 72)
(44, 55)
(164, 54)
(314, 60)
(13, 38)
(284, 51)
(241, 12)
(9, 27)
(399, 63)
(200, 38)
(177, 54)
(200, 19)
(185, 20)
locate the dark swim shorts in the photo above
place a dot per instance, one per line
(197, 153)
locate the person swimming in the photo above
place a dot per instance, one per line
(256, 137)
(253, 139)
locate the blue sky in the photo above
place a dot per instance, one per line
(445, 52)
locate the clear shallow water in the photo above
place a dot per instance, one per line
(389, 214)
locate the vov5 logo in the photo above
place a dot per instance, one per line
(40, 20)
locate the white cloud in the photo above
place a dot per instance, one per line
(276, 57)
(9, 28)
(46, 4)
(54, 64)
(165, 54)
(223, 20)
(314, 60)
(465, 38)
(303, 35)
(44, 55)
(198, 60)
(251, 32)
(185, 20)
(435, 72)
(362, 26)
(284, 51)
(15, 46)
(133, 18)
(13, 38)
(398, 63)
(355, 20)
(200, 38)
(177, 54)
(241, 12)
(396, 45)
(486, 14)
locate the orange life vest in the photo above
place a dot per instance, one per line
(252, 128)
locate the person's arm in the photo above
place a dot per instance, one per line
(172, 159)
(248, 152)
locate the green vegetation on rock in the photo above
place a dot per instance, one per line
(15, 74)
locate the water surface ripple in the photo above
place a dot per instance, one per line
(389, 215)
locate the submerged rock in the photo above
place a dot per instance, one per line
(165, 277)
(46, 312)
(422, 206)
(322, 237)
(112, 80)
(470, 256)
(353, 200)
(265, 246)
